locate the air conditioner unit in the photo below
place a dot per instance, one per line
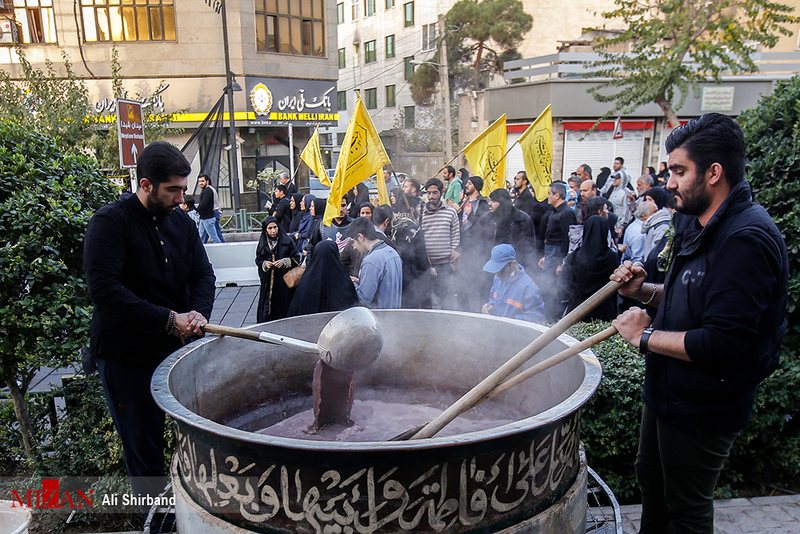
(6, 32)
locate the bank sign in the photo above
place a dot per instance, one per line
(279, 101)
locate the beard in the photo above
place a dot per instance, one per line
(695, 200)
(157, 207)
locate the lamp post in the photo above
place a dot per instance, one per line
(234, 153)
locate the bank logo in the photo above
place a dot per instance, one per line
(261, 99)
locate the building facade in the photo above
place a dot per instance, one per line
(289, 47)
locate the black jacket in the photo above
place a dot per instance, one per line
(555, 227)
(137, 270)
(282, 211)
(205, 208)
(726, 288)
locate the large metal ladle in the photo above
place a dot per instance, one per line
(351, 341)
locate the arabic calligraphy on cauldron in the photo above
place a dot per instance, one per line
(460, 494)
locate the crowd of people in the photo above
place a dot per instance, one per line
(712, 333)
(434, 245)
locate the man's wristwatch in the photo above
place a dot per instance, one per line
(645, 339)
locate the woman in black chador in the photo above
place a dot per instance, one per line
(587, 269)
(326, 285)
(275, 256)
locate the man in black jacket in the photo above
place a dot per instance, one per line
(153, 288)
(281, 209)
(718, 329)
(205, 209)
(555, 235)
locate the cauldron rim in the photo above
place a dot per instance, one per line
(169, 404)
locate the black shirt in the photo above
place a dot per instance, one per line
(556, 223)
(205, 208)
(138, 268)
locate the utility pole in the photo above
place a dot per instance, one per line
(444, 80)
(234, 155)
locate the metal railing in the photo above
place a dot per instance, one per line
(580, 64)
(243, 221)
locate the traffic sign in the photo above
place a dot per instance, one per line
(618, 129)
(130, 132)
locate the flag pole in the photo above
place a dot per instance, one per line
(493, 167)
(401, 193)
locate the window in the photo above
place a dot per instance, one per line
(340, 13)
(429, 36)
(107, 20)
(389, 4)
(369, 7)
(354, 6)
(409, 66)
(35, 21)
(389, 46)
(340, 138)
(342, 58)
(284, 27)
(409, 116)
(342, 95)
(408, 11)
(370, 53)
(371, 98)
(391, 100)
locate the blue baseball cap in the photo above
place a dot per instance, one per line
(501, 256)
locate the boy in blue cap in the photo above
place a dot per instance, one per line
(513, 293)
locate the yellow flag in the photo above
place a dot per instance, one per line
(312, 157)
(361, 156)
(537, 152)
(485, 156)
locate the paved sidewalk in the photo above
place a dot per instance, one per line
(761, 515)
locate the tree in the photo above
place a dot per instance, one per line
(48, 193)
(485, 34)
(45, 101)
(715, 35)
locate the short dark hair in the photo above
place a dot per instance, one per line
(524, 175)
(159, 160)
(381, 213)
(620, 159)
(434, 182)
(281, 187)
(204, 175)
(592, 207)
(363, 226)
(713, 138)
(586, 169)
(451, 170)
(574, 180)
(559, 188)
(189, 201)
(414, 183)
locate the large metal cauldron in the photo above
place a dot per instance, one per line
(502, 479)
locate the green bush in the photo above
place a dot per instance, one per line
(610, 422)
(48, 193)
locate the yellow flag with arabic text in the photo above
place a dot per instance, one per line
(486, 155)
(361, 156)
(537, 152)
(312, 157)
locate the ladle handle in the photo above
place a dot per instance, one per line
(265, 337)
(564, 355)
(501, 373)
